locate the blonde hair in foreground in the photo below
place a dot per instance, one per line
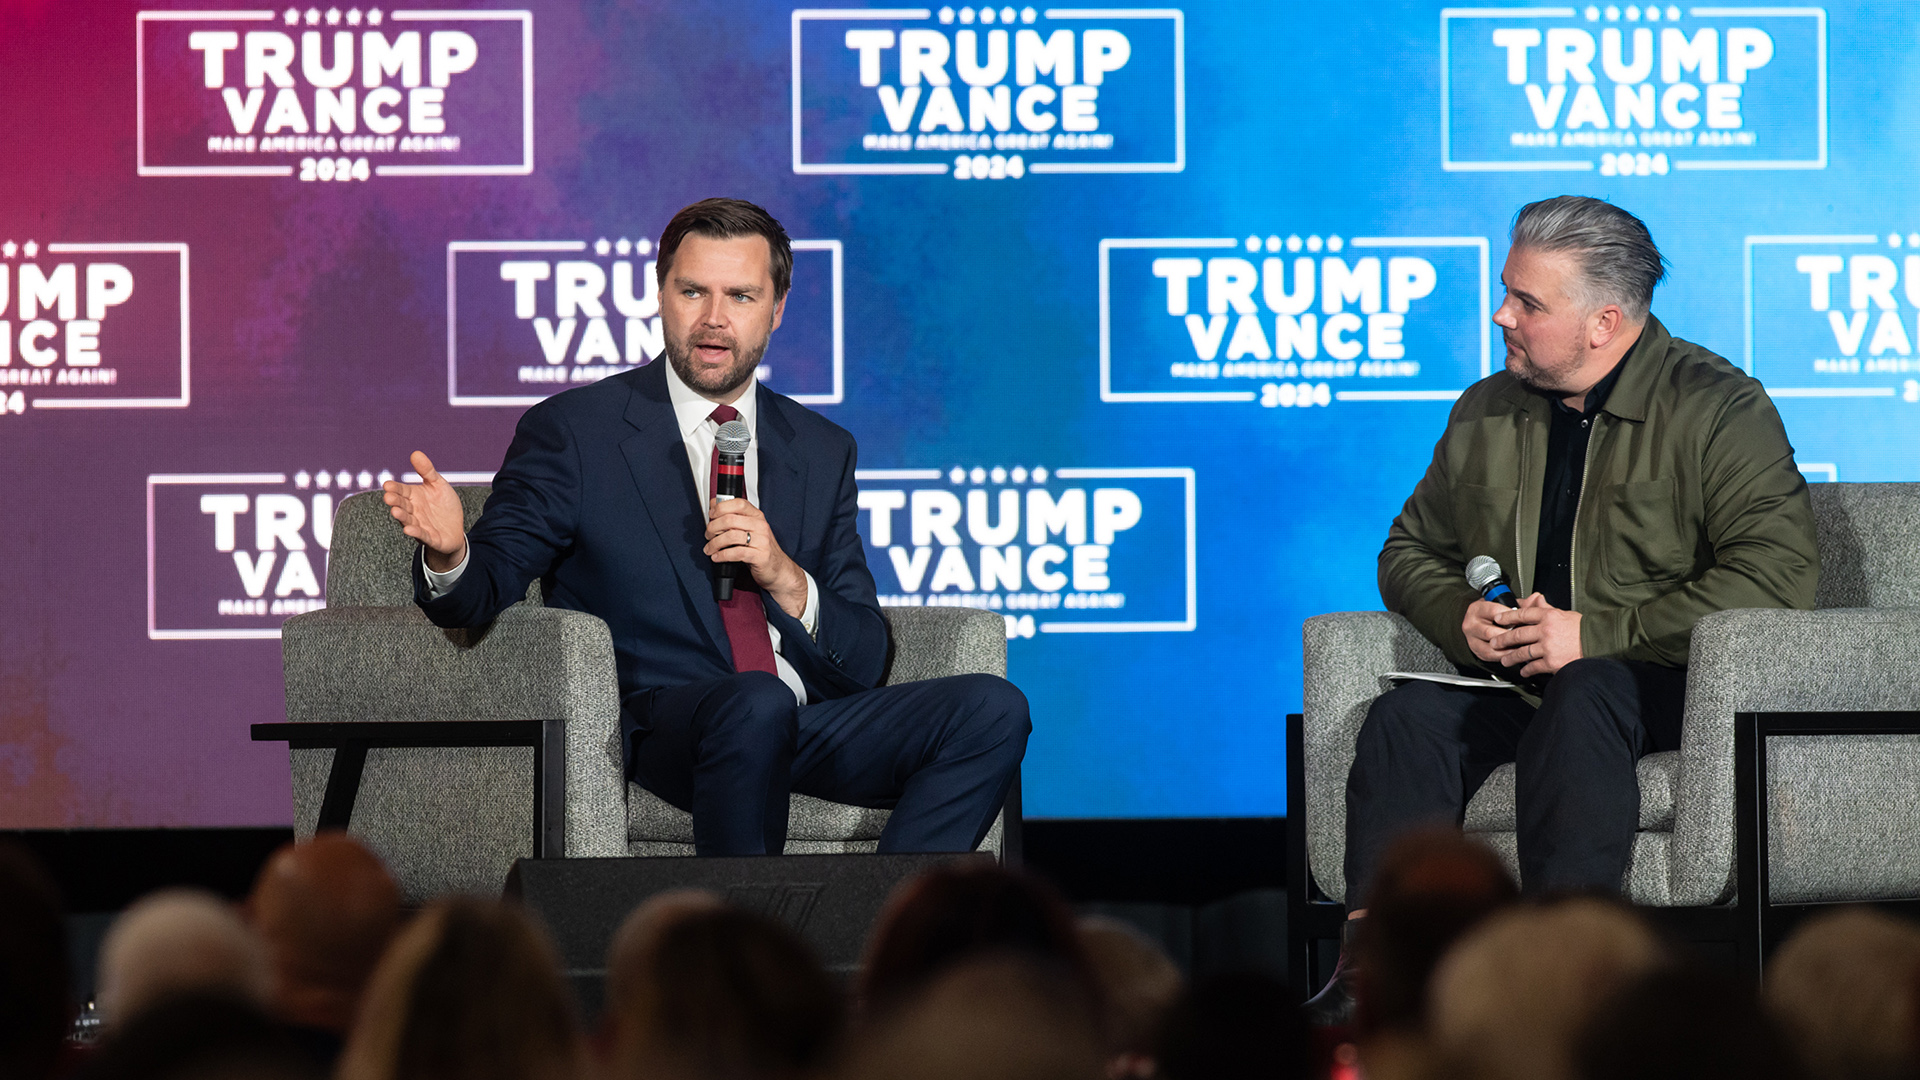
(1511, 996)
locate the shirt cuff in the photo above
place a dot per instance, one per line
(439, 584)
(809, 616)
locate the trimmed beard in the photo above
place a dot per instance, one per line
(680, 355)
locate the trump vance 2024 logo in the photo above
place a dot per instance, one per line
(988, 93)
(1636, 91)
(335, 96)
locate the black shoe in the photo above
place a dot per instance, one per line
(1334, 1005)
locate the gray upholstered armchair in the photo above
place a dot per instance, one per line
(455, 819)
(1830, 800)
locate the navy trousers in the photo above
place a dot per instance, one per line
(1425, 748)
(939, 753)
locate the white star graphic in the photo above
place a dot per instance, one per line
(373, 17)
(353, 17)
(333, 16)
(292, 16)
(323, 479)
(301, 479)
(313, 16)
(9, 248)
(32, 249)
(601, 246)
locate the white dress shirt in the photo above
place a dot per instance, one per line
(697, 429)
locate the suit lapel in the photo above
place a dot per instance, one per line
(657, 457)
(782, 472)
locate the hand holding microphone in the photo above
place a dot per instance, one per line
(738, 533)
(729, 482)
(1530, 637)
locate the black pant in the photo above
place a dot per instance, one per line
(1426, 748)
(940, 753)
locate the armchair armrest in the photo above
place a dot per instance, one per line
(934, 642)
(1345, 654)
(531, 663)
(1770, 660)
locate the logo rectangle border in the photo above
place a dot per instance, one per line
(1447, 164)
(186, 333)
(141, 168)
(154, 633)
(1747, 247)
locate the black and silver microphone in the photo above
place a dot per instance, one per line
(729, 482)
(1487, 579)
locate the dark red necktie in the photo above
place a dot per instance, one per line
(743, 614)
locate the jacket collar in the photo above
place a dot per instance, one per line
(656, 456)
(1633, 394)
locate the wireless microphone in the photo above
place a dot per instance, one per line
(1487, 579)
(730, 482)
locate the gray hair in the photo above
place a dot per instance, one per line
(1615, 252)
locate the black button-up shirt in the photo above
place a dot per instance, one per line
(1560, 493)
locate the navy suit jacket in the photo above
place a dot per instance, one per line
(596, 500)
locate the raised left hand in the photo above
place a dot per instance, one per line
(738, 532)
(1543, 640)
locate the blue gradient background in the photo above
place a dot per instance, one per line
(971, 339)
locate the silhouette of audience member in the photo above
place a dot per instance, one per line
(959, 912)
(1683, 1023)
(470, 990)
(1843, 989)
(700, 990)
(1138, 985)
(34, 1005)
(325, 910)
(200, 1035)
(993, 1016)
(1510, 998)
(1432, 887)
(178, 941)
(1239, 1026)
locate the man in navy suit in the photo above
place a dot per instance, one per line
(726, 706)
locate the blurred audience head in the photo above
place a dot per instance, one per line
(1843, 989)
(1002, 1016)
(1511, 995)
(34, 1010)
(962, 911)
(470, 990)
(1238, 1026)
(201, 1035)
(1138, 985)
(1432, 887)
(700, 990)
(324, 909)
(178, 941)
(1683, 1023)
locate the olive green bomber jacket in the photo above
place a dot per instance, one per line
(1691, 504)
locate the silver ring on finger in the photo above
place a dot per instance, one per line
(749, 536)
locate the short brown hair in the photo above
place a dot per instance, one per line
(471, 990)
(725, 219)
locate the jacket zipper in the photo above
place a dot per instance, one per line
(1517, 503)
(1573, 544)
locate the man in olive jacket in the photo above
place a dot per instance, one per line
(1628, 483)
